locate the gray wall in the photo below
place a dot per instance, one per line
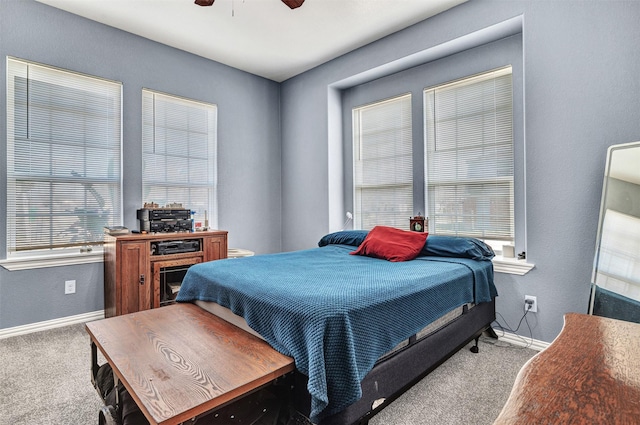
(580, 95)
(248, 142)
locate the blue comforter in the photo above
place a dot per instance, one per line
(336, 313)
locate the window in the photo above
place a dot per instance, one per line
(383, 171)
(469, 158)
(63, 158)
(179, 142)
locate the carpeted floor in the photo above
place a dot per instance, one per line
(466, 389)
(45, 380)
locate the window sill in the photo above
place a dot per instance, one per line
(500, 264)
(39, 262)
(511, 265)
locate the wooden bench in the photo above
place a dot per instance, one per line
(589, 375)
(179, 361)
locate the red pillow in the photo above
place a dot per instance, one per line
(392, 244)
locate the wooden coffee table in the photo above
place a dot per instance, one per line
(180, 361)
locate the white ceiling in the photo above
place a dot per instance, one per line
(263, 37)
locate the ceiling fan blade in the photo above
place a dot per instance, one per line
(293, 3)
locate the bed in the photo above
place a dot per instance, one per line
(361, 329)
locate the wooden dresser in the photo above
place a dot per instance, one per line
(144, 271)
(589, 375)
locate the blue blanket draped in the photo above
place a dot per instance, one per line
(336, 313)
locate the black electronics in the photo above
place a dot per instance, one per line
(168, 226)
(152, 214)
(164, 220)
(175, 247)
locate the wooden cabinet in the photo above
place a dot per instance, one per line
(139, 274)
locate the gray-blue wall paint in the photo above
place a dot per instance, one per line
(580, 96)
(580, 68)
(248, 141)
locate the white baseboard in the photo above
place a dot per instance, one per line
(522, 341)
(50, 324)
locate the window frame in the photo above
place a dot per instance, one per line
(466, 148)
(76, 86)
(403, 135)
(152, 139)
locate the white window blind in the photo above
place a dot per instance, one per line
(179, 142)
(469, 157)
(383, 164)
(63, 157)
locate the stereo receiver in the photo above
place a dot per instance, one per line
(175, 247)
(164, 220)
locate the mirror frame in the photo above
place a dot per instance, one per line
(631, 175)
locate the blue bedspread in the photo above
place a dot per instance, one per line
(336, 313)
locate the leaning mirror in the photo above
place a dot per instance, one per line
(616, 267)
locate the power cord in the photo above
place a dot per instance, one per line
(529, 343)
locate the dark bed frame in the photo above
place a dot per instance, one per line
(396, 374)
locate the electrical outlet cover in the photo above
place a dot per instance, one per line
(534, 303)
(69, 286)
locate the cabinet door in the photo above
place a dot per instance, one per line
(215, 247)
(135, 285)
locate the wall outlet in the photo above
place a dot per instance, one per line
(69, 286)
(530, 304)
